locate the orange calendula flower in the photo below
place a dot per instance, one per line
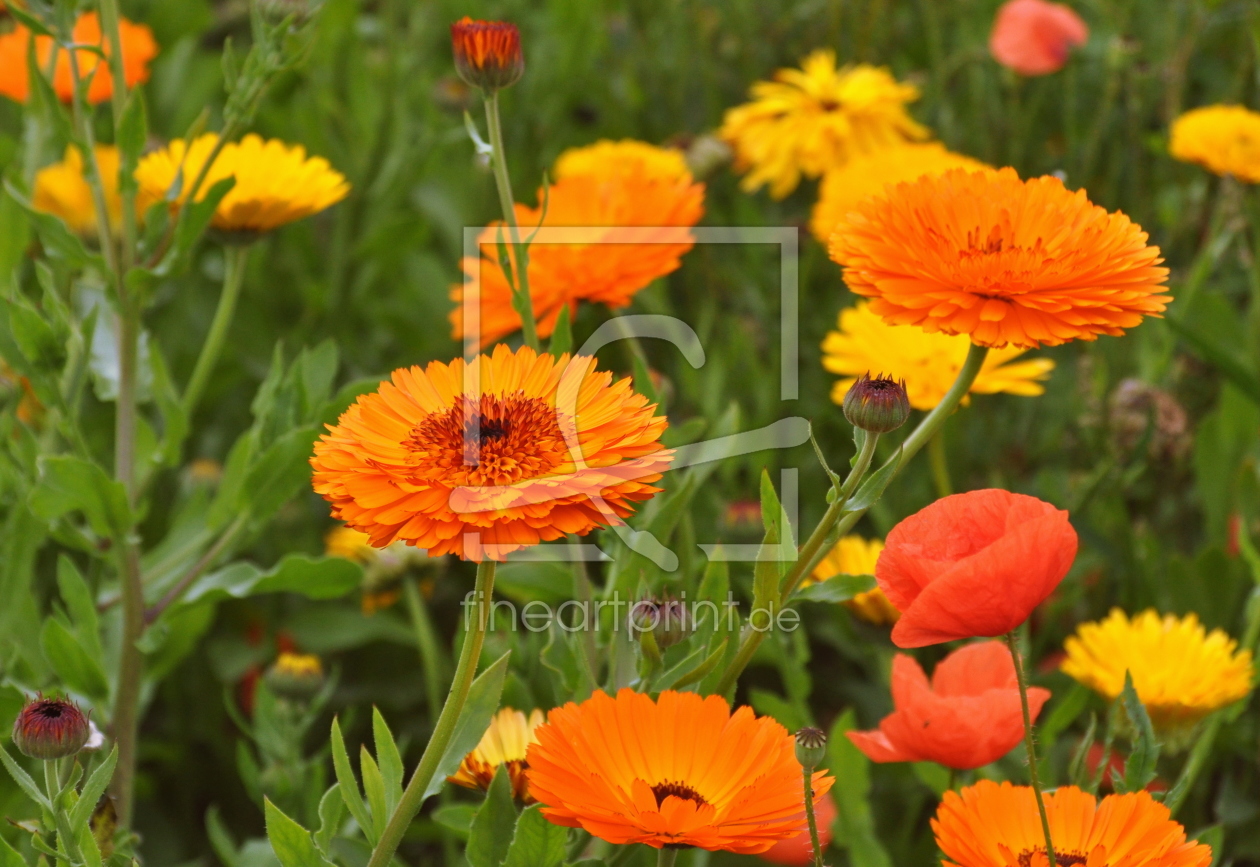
(997, 825)
(680, 771)
(62, 189)
(504, 743)
(813, 119)
(1002, 260)
(609, 189)
(542, 447)
(138, 48)
(487, 53)
(276, 183)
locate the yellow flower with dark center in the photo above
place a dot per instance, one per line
(816, 118)
(854, 555)
(504, 743)
(1224, 139)
(61, 189)
(1181, 672)
(842, 188)
(276, 183)
(928, 362)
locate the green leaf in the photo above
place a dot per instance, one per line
(332, 811)
(194, 218)
(837, 588)
(133, 131)
(873, 488)
(77, 668)
(80, 605)
(456, 818)
(492, 828)
(23, 779)
(279, 472)
(691, 669)
(313, 577)
(1139, 768)
(374, 789)
(92, 790)
(9, 856)
(347, 783)
(537, 842)
(1218, 355)
(220, 840)
(390, 760)
(474, 719)
(855, 823)
(290, 841)
(69, 484)
(562, 335)
(932, 775)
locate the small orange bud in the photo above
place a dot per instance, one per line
(50, 728)
(487, 53)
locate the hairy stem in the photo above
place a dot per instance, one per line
(521, 298)
(1013, 643)
(813, 820)
(235, 259)
(413, 797)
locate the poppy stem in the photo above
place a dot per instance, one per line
(522, 300)
(666, 856)
(413, 798)
(1013, 643)
(809, 815)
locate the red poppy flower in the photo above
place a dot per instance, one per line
(1033, 37)
(968, 716)
(799, 850)
(973, 565)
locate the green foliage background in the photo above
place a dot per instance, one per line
(376, 96)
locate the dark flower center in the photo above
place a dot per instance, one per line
(485, 429)
(678, 790)
(829, 104)
(1068, 859)
(51, 710)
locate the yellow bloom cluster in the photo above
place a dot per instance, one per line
(854, 555)
(815, 118)
(504, 743)
(1181, 672)
(1224, 139)
(62, 190)
(928, 362)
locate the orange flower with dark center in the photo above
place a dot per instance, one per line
(679, 771)
(626, 208)
(997, 825)
(481, 460)
(1004, 261)
(968, 716)
(487, 53)
(138, 49)
(973, 565)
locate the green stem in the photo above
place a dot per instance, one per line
(809, 815)
(940, 465)
(465, 671)
(665, 856)
(233, 277)
(126, 721)
(522, 300)
(1013, 643)
(427, 645)
(118, 95)
(1198, 757)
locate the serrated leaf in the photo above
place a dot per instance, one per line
(537, 842)
(92, 790)
(490, 835)
(1139, 768)
(23, 779)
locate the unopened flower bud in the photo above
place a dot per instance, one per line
(487, 53)
(667, 620)
(811, 747)
(295, 676)
(50, 728)
(877, 405)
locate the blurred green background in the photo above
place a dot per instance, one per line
(1150, 440)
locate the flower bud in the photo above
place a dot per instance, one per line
(295, 676)
(811, 748)
(487, 53)
(50, 728)
(666, 619)
(877, 405)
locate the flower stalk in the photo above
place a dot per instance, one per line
(235, 260)
(444, 730)
(1012, 641)
(521, 298)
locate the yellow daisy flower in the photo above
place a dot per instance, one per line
(504, 743)
(928, 362)
(275, 183)
(1224, 139)
(1180, 671)
(854, 555)
(816, 118)
(623, 157)
(844, 187)
(63, 191)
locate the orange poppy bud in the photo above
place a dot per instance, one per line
(487, 53)
(973, 565)
(969, 715)
(1033, 37)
